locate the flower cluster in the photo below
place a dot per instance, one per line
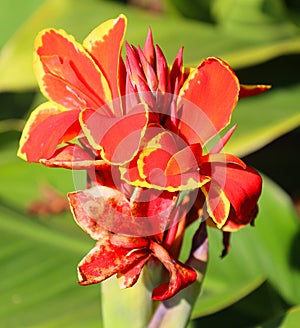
(140, 129)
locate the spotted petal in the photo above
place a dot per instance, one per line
(106, 259)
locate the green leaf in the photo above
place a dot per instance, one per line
(39, 256)
(13, 14)
(290, 319)
(78, 18)
(264, 118)
(268, 251)
(227, 280)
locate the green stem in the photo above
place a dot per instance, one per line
(131, 307)
(176, 311)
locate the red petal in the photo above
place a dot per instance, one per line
(184, 160)
(176, 74)
(46, 128)
(67, 74)
(181, 276)
(149, 51)
(252, 90)
(73, 157)
(105, 45)
(213, 91)
(162, 71)
(242, 188)
(234, 223)
(117, 137)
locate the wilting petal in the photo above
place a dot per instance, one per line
(100, 207)
(216, 203)
(105, 44)
(47, 127)
(66, 73)
(73, 157)
(181, 275)
(127, 278)
(106, 259)
(252, 90)
(118, 138)
(213, 90)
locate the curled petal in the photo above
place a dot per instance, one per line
(66, 73)
(47, 127)
(181, 275)
(252, 90)
(213, 89)
(73, 157)
(222, 158)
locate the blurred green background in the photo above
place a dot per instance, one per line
(258, 283)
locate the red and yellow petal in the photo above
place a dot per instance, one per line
(217, 204)
(118, 138)
(180, 275)
(66, 73)
(47, 127)
(242, 188)
(207, 99)
(104, 43)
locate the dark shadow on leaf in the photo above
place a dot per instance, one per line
(294, 257)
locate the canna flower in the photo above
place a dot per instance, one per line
(140, 128)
